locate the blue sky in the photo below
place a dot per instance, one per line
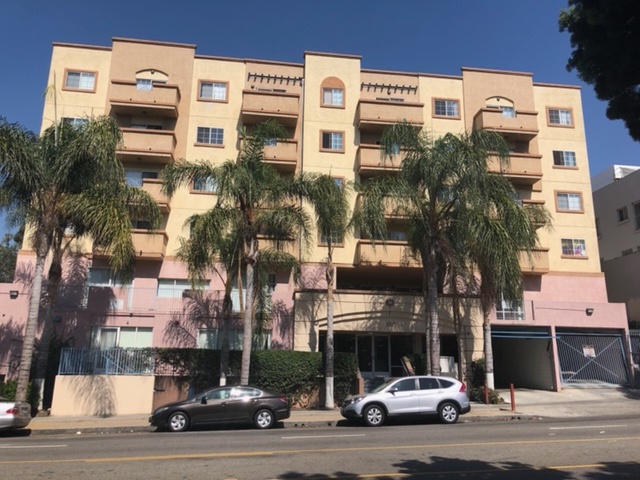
(431, 36)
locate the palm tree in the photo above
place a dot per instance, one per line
(500, 236)
(439, 183)
(254, 199)
(329, 199)
(69, 185)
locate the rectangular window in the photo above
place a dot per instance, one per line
(121, 337)
(509, 309)
(140, 224)
(508, 112)
(573, 247)
(559, 116)
(335, 239)
(213, 91)
(569, 201)
(564, 158)
(100, 277)
(446, 108)
(173, 288)
(636, 209)
(135, 178)
(210, 135)
(75, 121)
(80, 80)
(333, 141)
(623, 214)
(144, 84)
(211, 338)
(207, 185)
(333, 97)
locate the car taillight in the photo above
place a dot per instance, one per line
(284, 400)
(463, 387)
(13, 411)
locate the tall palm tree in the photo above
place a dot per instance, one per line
(254, 199)
(439, 182)
(330, 200)
(69, 184)
(501, 235)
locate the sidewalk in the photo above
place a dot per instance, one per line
(571, 402)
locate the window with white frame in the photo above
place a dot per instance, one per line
(333, 141)
(174, 287)
(563, 158)
(211, 338)
(574, 247)
(509, 309)
(121, 337)
(569, 201)
(77, 80)
(210, 135)
(636, 210)
(446, 108)
(336, 239)
(622, 214)
(558, 116)
(204, 184)
(333, 97)
(213, 91)
(144, 84)
(75, 121)
(101, 277)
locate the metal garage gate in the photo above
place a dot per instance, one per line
(592, 359)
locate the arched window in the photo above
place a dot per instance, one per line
(503, 104)
(332, 92)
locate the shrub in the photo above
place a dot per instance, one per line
(476, 378)
(8, 391)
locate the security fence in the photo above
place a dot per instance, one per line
(111, 361)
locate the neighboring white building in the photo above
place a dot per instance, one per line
(616, 200)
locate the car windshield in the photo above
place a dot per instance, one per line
(381, 387)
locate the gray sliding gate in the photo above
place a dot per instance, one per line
(592, 359)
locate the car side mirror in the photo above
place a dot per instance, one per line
(203, 401)
(393, 390)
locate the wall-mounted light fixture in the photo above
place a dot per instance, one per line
(589, 312)
(57, 318)
(390, 302)
(13, 294)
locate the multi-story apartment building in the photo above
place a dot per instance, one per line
(172, 103)
(616, 200)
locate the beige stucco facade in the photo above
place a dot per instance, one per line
(335, 112)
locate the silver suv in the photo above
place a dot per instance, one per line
(410, 396)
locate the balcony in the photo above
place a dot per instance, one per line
(161, 100)
(148, 146)
(153, 187)
(523, 168)
(149, 245)
(523, 127)
(283, 156)
(394, 254)
(369, 161)
(261, 105)
(538, 264)
(376, 115)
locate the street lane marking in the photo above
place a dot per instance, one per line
(588, 426)
(324, 436)
(271, 453)
(32, 446)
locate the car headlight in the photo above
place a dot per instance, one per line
(354, 400)
(160, 410)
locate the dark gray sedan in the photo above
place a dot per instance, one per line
(239, 404)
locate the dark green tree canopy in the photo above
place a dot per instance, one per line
(605, 37)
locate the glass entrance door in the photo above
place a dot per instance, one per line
(373, 355)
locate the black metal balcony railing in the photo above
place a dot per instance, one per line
(111, 361)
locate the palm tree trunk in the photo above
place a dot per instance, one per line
(32, 324)
(427, 324)
(434, 327)
(488, 350)
(227, 306)
(329, 353)
(251, 252)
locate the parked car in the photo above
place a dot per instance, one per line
(409, 396)
(239, 404)
(14, 414)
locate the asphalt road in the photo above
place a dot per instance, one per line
(549, 450)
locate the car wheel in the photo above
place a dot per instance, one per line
(264, 419)
(373, 416)
(178, 422)
(448, 412)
